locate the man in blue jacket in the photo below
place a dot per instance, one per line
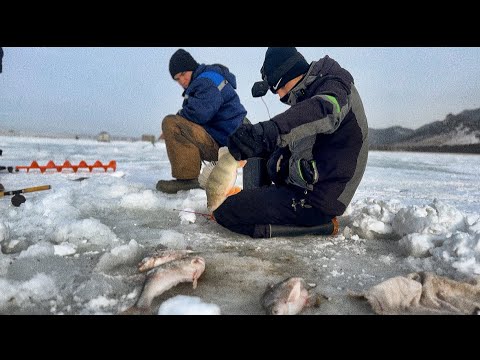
(316, 150)
(211, 111)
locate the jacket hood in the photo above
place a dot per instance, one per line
(318, 72)
(328, 66)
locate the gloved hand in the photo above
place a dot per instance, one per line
(309, 171)
(257, 140)
(278, 165)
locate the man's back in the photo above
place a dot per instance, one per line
(211, 101)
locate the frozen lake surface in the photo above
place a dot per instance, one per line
(74, 249)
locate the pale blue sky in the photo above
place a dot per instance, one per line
(128, 91)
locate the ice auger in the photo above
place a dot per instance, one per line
(68, 166)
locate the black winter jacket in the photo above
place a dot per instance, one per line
(328, 114)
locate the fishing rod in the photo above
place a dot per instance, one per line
(208, 216)
(19, 199)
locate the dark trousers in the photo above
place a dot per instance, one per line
(251, 211)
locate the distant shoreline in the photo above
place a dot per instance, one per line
(455, 149)
(66, 136)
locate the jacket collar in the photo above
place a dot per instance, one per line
(298, 91)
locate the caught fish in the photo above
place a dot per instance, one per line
(161, 279)
(288, 297)
(162, 257)
(218, 179)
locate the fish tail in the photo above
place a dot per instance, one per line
(204, 175)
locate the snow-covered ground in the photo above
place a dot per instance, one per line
(74, 249)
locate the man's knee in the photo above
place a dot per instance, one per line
(169, 122)
(219, 216)
(225, 214)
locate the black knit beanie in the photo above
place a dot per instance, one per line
(180, 61)
(281, 65)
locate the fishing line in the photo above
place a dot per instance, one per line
(266, 107)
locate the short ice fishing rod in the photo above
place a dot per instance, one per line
(19, 199)
(207, 216)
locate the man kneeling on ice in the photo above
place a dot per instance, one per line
(211, 111)
(315, 152)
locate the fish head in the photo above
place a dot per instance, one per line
(287, 298)
(215, 203)
(279, 308)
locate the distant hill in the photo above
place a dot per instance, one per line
(388, 136)
(457, 133)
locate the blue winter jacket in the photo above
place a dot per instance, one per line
(212, 103)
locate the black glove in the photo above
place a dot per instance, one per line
(309, 171)
(278, 165)
(257, 140)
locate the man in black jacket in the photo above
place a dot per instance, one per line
(317, 150)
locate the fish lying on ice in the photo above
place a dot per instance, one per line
(163, 278)
(218, 179)
(162, 257)
(288, 297)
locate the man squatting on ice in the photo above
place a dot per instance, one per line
(316, 151)
(210, 112)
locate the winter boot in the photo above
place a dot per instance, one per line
(173, 186)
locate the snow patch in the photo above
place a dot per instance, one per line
(120, 255)
(65, 249)
(39, 288)
(187, 305)
(83, 232)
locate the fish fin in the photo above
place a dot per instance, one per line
(295, 293)
(242, 163)
(234, 190)
(195, 280)
(206, 171)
